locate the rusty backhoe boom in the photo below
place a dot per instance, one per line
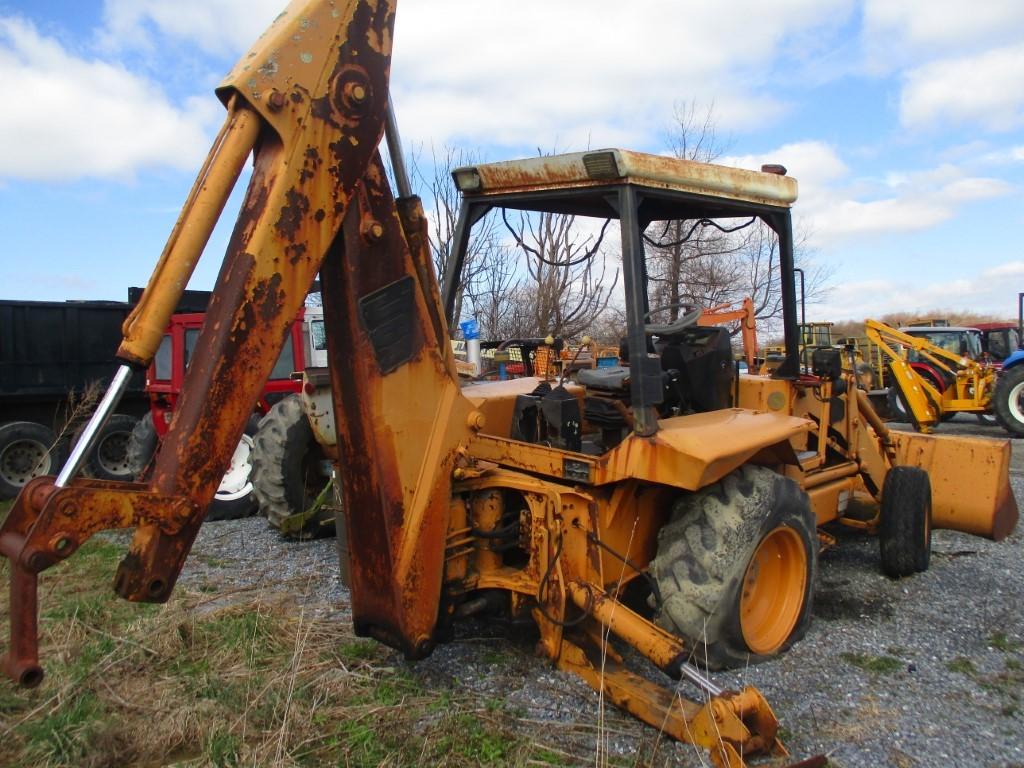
(309, 99)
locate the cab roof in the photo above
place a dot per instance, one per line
(603, 167)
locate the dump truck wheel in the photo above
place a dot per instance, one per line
(905, 527)
(286, 468)
(27, 450)
(1008, 401)
(736, 567)
(108, 459)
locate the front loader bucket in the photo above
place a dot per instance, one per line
(970, 481)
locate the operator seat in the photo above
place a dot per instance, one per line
(697, 376)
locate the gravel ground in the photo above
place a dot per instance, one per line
(926, 671)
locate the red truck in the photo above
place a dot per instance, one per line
(164, 379)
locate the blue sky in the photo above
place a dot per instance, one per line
(903, 120)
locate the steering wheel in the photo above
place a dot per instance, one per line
(691, 316)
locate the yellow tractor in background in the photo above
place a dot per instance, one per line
(666, 502)
(935, 372)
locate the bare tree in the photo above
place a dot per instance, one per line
(566, 286)
(494, 280)
(442, 204)
(705, 263)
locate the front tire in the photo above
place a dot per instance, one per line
(898, 410)
(905, 527)
(736, 567)
(235, 498)
(1008, 400)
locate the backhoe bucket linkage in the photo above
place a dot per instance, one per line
(47, 524)
(731, 725)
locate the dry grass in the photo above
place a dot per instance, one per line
(257, 683)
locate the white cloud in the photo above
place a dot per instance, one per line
(536, 73)
(1009, 269)
(871, 298)
(219, 27)
(588, 72)
(66, 117)
(959, 62)
(835, 206)
(923, 25)
(986, 88)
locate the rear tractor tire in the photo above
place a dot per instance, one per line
(234, 498)
(1008, 400)
(287, 475)
(905, 527)
(736, 568)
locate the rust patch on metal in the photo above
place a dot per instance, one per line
(295, 252)
(292, 214)
(268, 298)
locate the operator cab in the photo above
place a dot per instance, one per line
(669, 365)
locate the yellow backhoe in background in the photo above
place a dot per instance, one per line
(666, 502)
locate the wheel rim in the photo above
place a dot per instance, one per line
(1014, 402)
(112, 454)
(23, 460)
(236, 483)
(773, 590)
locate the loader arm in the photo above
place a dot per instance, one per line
(309, 102)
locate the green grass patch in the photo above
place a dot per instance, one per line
(961, 665)
(474, 739)
(251, 683)
(360, 650)
(1001, 642)
(879, 665)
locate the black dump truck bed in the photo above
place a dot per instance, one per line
(52, 355)
(50, 348)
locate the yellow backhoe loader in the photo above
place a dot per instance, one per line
(666, 504)
(937, 382)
